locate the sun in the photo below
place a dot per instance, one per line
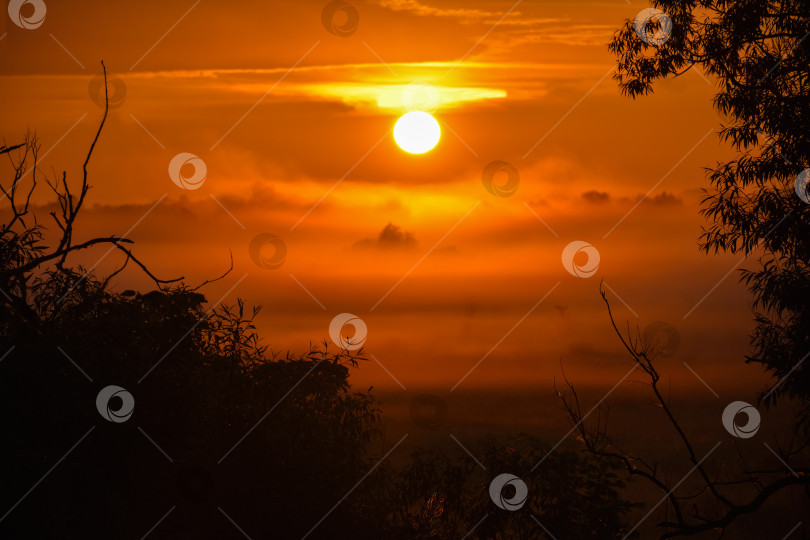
(417, 132)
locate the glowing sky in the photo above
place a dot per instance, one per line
(293, 124)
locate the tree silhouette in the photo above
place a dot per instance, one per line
(276, 440)
(758, 53)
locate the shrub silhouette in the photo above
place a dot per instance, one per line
(446, 495)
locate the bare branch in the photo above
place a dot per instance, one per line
(598, 443)
(207, 281)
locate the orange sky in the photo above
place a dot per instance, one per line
(534, 90)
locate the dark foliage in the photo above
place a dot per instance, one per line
(759, 53)
(441, 495)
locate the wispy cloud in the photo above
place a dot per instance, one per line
(517, 29)
(425, 10)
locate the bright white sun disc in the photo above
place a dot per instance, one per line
(417, 132)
